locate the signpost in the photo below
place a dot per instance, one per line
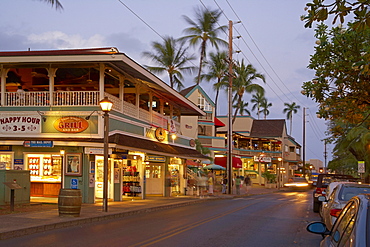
(74, 183)
(361, 167)
(12, 186)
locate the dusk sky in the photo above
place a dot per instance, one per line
(273, 40)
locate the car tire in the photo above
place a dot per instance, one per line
(316, 207)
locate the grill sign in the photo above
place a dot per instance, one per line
(71, 124)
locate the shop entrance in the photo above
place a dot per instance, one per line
(99, 177)
(154, 174)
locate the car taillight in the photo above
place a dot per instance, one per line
(335, 212)
(320, 191)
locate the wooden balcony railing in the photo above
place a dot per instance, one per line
(84, 98)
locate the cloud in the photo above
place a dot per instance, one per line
(60, 40)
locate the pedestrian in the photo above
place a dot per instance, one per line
(224, 184)
(202, 185)
(247, 182)
(210, 184)
(238, 182)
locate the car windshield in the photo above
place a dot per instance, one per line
(350, 191)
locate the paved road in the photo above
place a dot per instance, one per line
(277, 219)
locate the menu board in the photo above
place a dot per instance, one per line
(47, 167)
(34, 166)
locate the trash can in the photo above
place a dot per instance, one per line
(69, 202)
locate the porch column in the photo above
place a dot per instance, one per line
(121, 90)
(151, 107)
(137, 101)
(101, 81)
(4, 75)
(51, 75)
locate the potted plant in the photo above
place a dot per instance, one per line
(270, 179)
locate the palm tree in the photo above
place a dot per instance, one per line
(171, 58)
(243, 83)
(216, 70)
(257, 99)
(57, 3)
(202, 31)
(289, 110)
(265, 105)
(243, 107)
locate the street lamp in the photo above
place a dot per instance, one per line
(62, 153)
(106, 107)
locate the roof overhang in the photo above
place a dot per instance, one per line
(110, 56)
(147, 146)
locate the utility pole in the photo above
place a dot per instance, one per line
(304, 143)
(230, 125)
(325, 156)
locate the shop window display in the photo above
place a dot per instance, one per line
(5, 161)
(44, 167)
(45, 174)
(131, 179)
(174, 178)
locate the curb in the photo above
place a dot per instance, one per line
(77, 222)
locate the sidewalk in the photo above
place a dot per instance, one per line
(19, 224)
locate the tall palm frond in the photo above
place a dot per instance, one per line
(290, 109)
(171, 57)
(203, 30)
(216, 71)
(243, 83)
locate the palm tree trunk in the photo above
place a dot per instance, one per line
(202, 54)
(171, 80)
(216, 100)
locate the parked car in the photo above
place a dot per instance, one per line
(313, 179)
(322, 183)
(324, 199)
(352, 228)
(338, 198)
(297, 183)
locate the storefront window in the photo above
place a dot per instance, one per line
(174, 178)
(131, 178)
(44, 167)
(6, 161)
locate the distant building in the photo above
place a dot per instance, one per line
(316, 163)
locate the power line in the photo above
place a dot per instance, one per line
(141, 19)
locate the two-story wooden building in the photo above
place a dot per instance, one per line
(51, 123)
(258, 145)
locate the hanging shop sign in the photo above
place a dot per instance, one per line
(265, 159)
(38, 144)
(96, 150)
(155, 158)
(71, 124)
(20, 123)
(160, 134)
(192, 143)
(5, 148)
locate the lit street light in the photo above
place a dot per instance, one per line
(106, 107)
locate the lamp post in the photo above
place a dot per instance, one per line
(278, 171)
(106, 107)
(62, 153)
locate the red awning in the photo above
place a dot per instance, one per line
(192, 163)
(222, 161)
(218, 123)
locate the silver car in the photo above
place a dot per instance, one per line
(339, 196)
(352, 228)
